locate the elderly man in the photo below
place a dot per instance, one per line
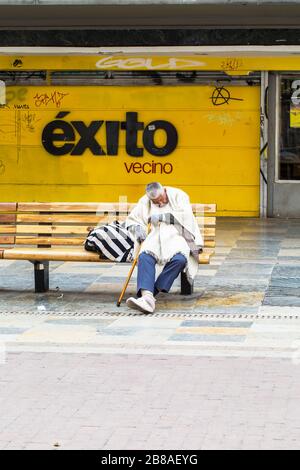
(174, 241)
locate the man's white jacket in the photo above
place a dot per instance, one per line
(164, 239)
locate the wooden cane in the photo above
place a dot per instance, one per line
(130, 272)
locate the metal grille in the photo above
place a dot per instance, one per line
(117, 314)
(119, 78)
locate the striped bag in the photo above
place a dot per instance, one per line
(112, 241)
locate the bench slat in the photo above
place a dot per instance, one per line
(208, 251)
(7, 229)
(7, 240)
(67, 229)
(72, 241)
(68, 254)
(82, 219)
(63, 218)
(199, 209)
(209, 233)
(51, 254)
(49, 229)
(8, 206)
(7, 218)
(206, 221)
(204, 258)
(73, 207)
(64, 241)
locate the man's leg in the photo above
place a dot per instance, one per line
(145, 285)
(146, 273)
(170, 272)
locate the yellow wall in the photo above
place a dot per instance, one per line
(149, 60)
(216, 160)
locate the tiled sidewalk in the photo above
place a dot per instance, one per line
(252, 278)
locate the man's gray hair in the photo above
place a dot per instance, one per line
(154, 190)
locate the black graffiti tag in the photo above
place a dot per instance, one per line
(222, 96)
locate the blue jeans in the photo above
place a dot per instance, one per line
(146, 273)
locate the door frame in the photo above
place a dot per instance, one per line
(282, 194)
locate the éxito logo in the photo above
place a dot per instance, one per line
(64, 134)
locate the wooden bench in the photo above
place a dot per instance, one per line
(44, 232)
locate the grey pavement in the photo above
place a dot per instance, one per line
(216, 370)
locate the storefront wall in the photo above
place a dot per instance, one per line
(92, 143)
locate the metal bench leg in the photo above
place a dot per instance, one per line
(186, 287)
(41, 276)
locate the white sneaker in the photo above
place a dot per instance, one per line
(144, 304)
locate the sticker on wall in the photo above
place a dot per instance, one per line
(2, 93)
(294, 116)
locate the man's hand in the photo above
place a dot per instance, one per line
(156, 218)
(140, 233)
(196, 252)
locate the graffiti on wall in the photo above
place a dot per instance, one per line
(221, 96)
(54, 98)
(137, 63)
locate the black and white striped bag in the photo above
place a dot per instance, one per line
(113, 241)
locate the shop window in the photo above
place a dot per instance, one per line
(289, 156)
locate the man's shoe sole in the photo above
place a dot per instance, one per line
(132, 304)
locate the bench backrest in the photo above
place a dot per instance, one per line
(67, 224)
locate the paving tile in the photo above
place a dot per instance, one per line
(278, 310)
(290, 242)
(263, 236)
(212, 330)
(63, 333)
(288, 261)
(207, 338)
(278, 282)
(275, 291)
(285, 271)
(262, 228)
(4, 263)
(11, 330)
(210, 272)
(237, 284)
(229, 299)
(290, 252)
(282, 301)
(93, 322)
(148, 322)
(216, 323)
(121, 331)
(258, 244)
